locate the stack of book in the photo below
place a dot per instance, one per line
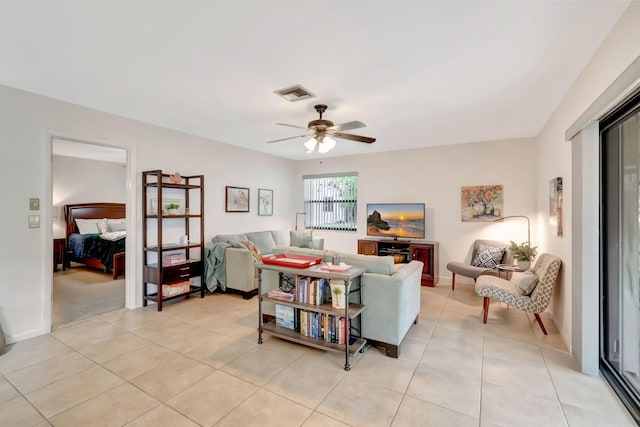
(176, 288)
(281, 295)
(174, 259)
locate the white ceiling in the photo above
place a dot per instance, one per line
(418, 73)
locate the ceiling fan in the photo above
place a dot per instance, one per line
(323, 131)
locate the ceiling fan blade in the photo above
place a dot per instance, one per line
(354, 137)
(349, 125)
(291, 126)
(291, 137)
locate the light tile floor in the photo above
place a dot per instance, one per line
(198, 363)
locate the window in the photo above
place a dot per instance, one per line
(330, 201)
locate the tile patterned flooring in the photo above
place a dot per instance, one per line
(198, 363)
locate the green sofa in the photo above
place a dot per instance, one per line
(390, 292)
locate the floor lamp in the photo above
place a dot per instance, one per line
(299, 213)
(519, 216)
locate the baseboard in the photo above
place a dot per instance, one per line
(11, 339)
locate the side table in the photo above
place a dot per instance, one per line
(507, 268)
(58, 253)
(118, 264)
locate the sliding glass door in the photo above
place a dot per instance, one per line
(620, 308)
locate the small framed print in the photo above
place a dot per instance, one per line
(236, 199)
(265, 201)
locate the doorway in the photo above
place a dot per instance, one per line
(84, 172)
(620, 280)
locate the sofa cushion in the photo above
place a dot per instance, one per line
(281, 237)
(263, 241)
(301, 251)
(301, 239)
(229, 238)
(488, 256)
(370, 263)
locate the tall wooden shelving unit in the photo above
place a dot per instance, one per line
(189, 219)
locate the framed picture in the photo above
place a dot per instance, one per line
(481, 202)
(265, 201)
(236, 199)
(555, 205)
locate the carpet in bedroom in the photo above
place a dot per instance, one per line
(80, 293)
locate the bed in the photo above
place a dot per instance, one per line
(94, 249)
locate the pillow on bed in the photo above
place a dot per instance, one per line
(88, 226)
(103, 226)
(117, 226)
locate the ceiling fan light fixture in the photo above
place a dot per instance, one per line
(310, 145)
(327, 144)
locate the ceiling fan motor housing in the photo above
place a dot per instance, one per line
(320, 125)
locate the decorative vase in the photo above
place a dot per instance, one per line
(479, 207)
(173, 211)
(489, 209)
(524, 265)
(338, 299)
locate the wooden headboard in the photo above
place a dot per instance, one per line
(92, 211)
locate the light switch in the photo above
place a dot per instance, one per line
(34, 204)
(34, 221)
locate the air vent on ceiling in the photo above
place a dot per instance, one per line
(294, 93)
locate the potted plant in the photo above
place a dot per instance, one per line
(173, 208)
(523, 253)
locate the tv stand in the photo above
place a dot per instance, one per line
(405, 251)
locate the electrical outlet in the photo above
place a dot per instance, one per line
(34, 221)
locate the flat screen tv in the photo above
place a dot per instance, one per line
(397, 220)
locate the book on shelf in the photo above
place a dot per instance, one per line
(285, 316)
(322, 326)
(316, 291)
(281, 295)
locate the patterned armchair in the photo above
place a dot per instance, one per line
(486, 264)
(546, 269)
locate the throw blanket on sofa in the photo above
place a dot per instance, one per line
(214, 271)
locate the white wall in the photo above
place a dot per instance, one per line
(617, 52)
(434, 176)
(76, 180)
(26, 121)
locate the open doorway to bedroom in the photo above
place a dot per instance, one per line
(89, 196)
